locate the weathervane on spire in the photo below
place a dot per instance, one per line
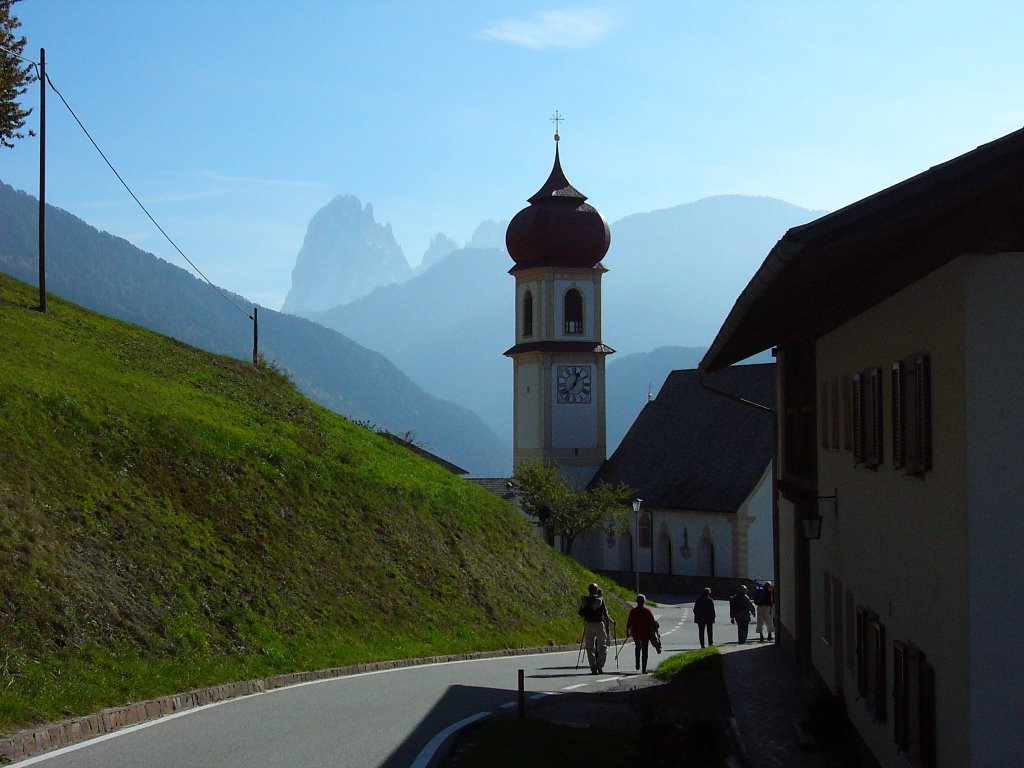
(556, 119)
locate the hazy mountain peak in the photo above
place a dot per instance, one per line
(490, 234)
(440, 246)
(346, 254)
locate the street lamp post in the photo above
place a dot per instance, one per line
(636, 541)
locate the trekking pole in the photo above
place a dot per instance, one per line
(580, 654)
(615, 634)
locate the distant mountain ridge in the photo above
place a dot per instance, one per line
(673, 276)
(110, 275)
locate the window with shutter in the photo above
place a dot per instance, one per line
(847, 388)
(873, 449)
(857, 393)
(898, 420)
(926, 713)
(900, 696)
(922, 414)
(826, 619)
(834, 413)
(528, 314)
(823, 420)
(851, 632)
(862, 656)
(879, 691)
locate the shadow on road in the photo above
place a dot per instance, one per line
(458, 703)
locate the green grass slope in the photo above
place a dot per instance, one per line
(171, 519)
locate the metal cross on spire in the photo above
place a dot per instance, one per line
(556, 119)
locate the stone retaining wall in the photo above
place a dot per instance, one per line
(54, 735)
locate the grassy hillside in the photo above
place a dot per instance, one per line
(111, 276)
(172, 519)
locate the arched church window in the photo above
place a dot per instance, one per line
(573, 311)
(644, 538)
(528, 314)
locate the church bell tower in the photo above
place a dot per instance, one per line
(557, 243)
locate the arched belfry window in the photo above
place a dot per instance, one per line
(573, 311)
(528, 314)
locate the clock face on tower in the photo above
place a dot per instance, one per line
(573, 384)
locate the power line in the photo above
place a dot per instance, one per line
(139, 202)
(123, 183)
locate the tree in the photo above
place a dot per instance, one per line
(15, 76)
(568, 512)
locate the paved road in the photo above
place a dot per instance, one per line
(390, 718)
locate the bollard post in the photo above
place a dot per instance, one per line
(522, 695)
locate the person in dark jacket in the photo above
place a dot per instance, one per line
(704, 615)
(643, 628)
(766, 612)
(742, 610)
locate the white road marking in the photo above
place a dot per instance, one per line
(606, 679)
(542, 695)
(574, 687)
(423, 759)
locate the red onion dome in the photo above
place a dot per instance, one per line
(558, 228)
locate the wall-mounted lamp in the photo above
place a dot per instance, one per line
(811, 524)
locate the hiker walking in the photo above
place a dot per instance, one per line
(704, 615)
(764, 599)
(643, 627)
(741, 610)
(595, 616)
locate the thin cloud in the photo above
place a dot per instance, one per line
(292, 183)
(565, 28)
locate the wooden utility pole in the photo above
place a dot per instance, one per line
(42, 179)
(255, 336)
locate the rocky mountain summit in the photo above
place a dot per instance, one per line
(345, 255)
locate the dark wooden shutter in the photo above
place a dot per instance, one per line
(823, 416)
(826, 626)
(528, 314)
(847, 385)
(858, 418)
(862, 647)
(834, 409)
(873, 453)
(880, 691)
(922, 414)
(900, 696)
(926, 705)
(899, 457)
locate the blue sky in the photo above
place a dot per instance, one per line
(236, 120)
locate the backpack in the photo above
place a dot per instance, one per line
(591, 608)
(759, 594)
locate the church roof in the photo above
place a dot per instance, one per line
(693, 449)
(558, 228)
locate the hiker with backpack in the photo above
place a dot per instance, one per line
(741, 610)
(596, 619)
(764, 600)
(643, 627)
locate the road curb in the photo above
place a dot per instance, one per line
(67, 732)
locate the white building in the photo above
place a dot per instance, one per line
(898, 322)
(700, 457)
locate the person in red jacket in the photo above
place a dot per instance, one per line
(643, 627)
